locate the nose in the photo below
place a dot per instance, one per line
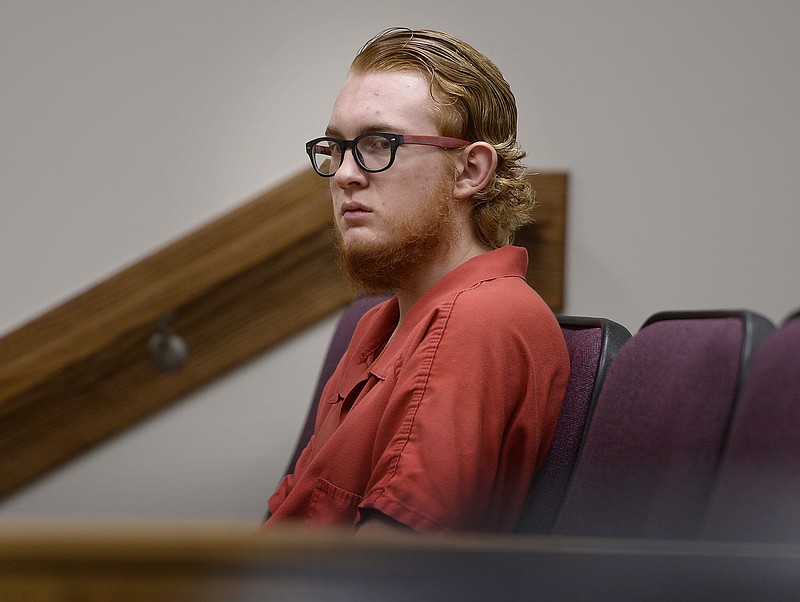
(349, 172)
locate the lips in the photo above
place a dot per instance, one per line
(354, 213)
(353, 207)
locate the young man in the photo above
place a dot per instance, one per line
(444, 405)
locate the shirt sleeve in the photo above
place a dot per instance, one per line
(287, 483)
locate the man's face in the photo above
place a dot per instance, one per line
(402, 214)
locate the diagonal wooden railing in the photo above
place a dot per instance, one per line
(230, 290)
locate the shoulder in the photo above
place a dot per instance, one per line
(500, 300)
(501, 313)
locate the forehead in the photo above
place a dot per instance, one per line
(399, 101)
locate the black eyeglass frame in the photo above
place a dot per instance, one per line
(395, 140)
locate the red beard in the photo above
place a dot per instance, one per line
(417, 239)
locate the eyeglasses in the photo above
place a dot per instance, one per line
(373, 151)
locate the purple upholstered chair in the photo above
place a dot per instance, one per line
(592, 344)
(654, 442)
(757, 494)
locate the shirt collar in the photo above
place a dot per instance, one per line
(507, 261)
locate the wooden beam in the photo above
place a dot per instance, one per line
(233, 288)
(545, 238)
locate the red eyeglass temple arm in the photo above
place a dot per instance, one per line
(440, 141)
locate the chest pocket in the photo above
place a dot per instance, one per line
(332, 505)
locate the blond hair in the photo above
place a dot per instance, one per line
(474, 102)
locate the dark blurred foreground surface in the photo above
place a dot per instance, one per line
(209, 562)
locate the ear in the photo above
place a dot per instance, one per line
(475, 166)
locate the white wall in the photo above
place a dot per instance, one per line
(126, 124)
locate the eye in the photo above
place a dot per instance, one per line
(374, 144)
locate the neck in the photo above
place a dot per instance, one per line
(433, 272)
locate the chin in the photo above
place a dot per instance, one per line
(362, 237)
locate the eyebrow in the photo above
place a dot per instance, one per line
(374, 127)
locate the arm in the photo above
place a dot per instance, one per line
(377, 522)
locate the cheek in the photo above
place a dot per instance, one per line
(426, 180)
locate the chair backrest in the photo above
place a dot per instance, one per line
(757, 494)
(592, 344)
(654, 442)
(336, 348)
